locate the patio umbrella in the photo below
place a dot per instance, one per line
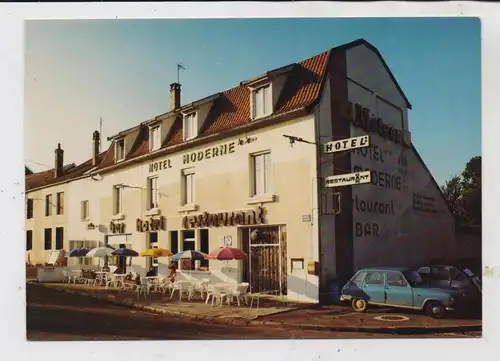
(192, 255)
(156, 252)
(101, 252)
(78, 252)
(227, 253)
(124, 252)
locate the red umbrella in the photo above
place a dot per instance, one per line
(227, 253)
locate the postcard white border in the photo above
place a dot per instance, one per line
(12, 186)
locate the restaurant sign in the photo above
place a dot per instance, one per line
(116, 227)
(348, 179)
(151, 225)
(225, 219)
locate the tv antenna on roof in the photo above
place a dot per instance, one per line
(179, 67)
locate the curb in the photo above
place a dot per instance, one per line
(362, 329)
(253, 322)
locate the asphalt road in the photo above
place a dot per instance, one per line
(58, 316)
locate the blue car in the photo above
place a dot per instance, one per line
(398, 287)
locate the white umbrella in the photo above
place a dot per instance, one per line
(100, 252)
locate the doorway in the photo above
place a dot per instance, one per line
(266, 266)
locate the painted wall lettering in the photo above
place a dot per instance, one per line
(361, 117)
(373, 152)
(370, 206)
(224, 219)
(366, 229)
(160, 165)
(208, 153)
(151, 225)
(424, 203)
(382, 179)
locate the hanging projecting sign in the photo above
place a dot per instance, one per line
(346, 144)
(348, 179)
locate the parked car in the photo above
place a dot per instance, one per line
(450, 276)
(462, 279)
(400, 288)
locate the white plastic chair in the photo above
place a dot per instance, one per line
(144, 287)
(182, 288)
(217, 294)
(66, 276)
(240, 292)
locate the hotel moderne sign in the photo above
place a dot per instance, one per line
(361, 118)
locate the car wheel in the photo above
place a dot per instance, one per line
(435, 309)
(359, 305)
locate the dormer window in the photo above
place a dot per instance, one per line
(190, 126)
(262, 101)
(154, 138)
(119, 150)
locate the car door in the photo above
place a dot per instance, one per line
(373, 287)
(397, 290)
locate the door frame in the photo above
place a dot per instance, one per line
(280, 233)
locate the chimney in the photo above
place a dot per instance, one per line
(59, 161)
(175, 96)
(96, 140)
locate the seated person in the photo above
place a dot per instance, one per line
(173, 272)
(151, 272)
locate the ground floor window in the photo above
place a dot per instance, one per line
(48, 239)
(82, 261)
(153, 243)
(29, 240)
(188, 244)
(204, 241)
(59, 237)
(174, 242)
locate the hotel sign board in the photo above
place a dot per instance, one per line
(347, 144)
(348, 179)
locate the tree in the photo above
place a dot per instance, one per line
(463, 193)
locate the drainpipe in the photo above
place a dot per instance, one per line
(319, 178)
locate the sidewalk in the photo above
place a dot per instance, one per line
(194, 309)
(344, 319)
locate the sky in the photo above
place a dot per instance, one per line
(77, 71)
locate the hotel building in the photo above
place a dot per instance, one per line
(247, 167)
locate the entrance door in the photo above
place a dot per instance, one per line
(265, 269)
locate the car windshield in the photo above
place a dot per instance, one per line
(413, 277)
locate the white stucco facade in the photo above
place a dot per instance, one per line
(222, 184)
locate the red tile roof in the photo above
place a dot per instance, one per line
(70, 171)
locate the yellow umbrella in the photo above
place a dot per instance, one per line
(156, 252)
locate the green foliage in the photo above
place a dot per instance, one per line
(463, 193)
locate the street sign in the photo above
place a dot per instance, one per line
(347, 144)
(348, 179)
